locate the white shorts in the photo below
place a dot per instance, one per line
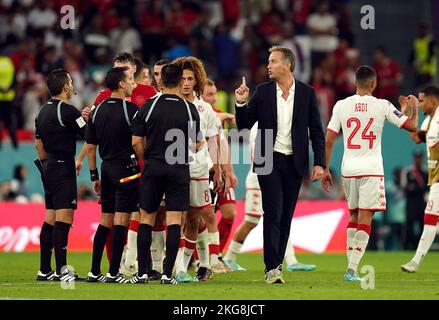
(200, 193)
(366, 193)
(432, 206)
(253, 202)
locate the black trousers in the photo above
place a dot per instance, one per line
(280, 190)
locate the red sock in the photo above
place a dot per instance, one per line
(224, 229)
(134, 226)
(214, 249)
(158, 228)
(108, 245)
(195, 255)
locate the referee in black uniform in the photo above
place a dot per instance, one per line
(110, 128)
(57, 126)
(170, 126)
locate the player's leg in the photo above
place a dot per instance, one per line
(201, 198)
(121, 221)
(213, 234)
(429, 232)
(105, 227)
(179, 260)
(367, 205)
(152, 189)
(173, 221)
(350, 231)
(158, 243)
(177, 202)
(63, 223)
(203, 244)
(99, 241)
(191, 233)
(129, 265)
(147, 221)
(60, 178)
(360, 240)
(241, 233)
(45, 272)
(227, 204)
(126, 201)
(351, 190)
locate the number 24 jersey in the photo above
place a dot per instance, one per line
(361, 119)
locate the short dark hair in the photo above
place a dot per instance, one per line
(56, 81)
(162, 62)
(172, 75)
(364, 74)
(139, 67)
(431, 91)
(124, 57)
(114, 76)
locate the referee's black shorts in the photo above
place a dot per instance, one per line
(59, 181)
(116, 196)
(160, 178)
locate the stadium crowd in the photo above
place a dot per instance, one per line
(230, 37)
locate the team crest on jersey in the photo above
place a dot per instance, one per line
(200, 108)
(398, 113)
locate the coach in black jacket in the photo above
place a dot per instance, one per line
(287, 115)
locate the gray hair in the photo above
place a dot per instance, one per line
(288, 55)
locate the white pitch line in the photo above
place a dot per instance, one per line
(8, 298)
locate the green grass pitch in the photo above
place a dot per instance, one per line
(18, 271)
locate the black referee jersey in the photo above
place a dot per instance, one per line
(110, 129)
(169, 123)
(57, 125)
(158, 116)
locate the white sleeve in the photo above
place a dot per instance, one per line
(212, 128)
(334, 124)
(424, 125)
(393, 115)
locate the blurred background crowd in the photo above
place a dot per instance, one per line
(231, 38)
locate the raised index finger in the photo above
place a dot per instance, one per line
(243, 81)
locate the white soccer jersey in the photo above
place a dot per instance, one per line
(199, 167)
(431, 129)
(362, 120)
(251, 182)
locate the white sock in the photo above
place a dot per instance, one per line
(360, 243)
(215, 240)
(203, 248)
(290, 255)
(131, 254)
(350, 241)
(158, 242)
(427, 238)
(188, 252)
(179, 261)
(233, 251)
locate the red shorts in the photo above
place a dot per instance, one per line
(227, 198)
